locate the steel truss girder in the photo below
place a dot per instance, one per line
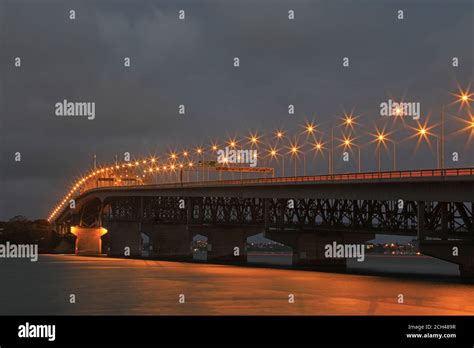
(452, 219)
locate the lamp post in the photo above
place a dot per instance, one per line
(348, 143)
(254, 141)
(232, 144)
(280, 135)
(442, 137)
(464, 97)
(349, 120)
(394, 155)
(294, 150)
(309, 129)
(318, 147)
(381, 138)
(273, 154)
(199, 152)
(423, 133)
(214, 149)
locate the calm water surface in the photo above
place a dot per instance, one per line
(120, 286)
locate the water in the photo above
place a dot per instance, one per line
(123, 286)
(386, 264)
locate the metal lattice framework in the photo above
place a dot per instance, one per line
(440, 219)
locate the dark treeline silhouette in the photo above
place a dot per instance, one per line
(20, 230)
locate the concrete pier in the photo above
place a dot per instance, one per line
(88, 240)
(125, 238)
(455, 251)
(169, 241)
(309, 246)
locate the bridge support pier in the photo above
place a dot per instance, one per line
(125, 238)
(227, 244)
(455, 251)
(308, 250)
(169, 241)
(88, 240)
(309, 247)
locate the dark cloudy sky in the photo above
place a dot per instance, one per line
(190, 62)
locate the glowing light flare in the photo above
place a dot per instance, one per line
(280, 134)
(468, 127)
(232, 143)
(309, 128)
(463, 97)
(318, 146)
(381, 137)
(422, 132)
(254, 139)
(349, 120)
(347, 142)
(294, 149)
(398, 111)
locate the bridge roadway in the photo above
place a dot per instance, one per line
(305, 213)
(427, 185)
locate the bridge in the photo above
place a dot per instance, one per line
(183, 194)
(123, 201)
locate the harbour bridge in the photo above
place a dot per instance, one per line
(183, 194)
(123, 201)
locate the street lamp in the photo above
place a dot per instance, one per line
(423, 132)
(309, 128)
(173, 156)
(232, 143)
(463, 98)
(214, 149)
(279, 136)
(294, 150)
(199, 152)
(381, 139)
(348, 120)
(348, 143)
(273, 153)
(318, 147)
(254, 141)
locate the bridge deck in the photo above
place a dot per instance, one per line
(449, 185)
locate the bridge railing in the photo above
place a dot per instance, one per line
(425, 173)
(356, 176)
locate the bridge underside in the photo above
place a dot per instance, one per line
(307, 225)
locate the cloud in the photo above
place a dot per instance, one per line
(190, 62)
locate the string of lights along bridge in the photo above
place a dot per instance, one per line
(220, 162)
